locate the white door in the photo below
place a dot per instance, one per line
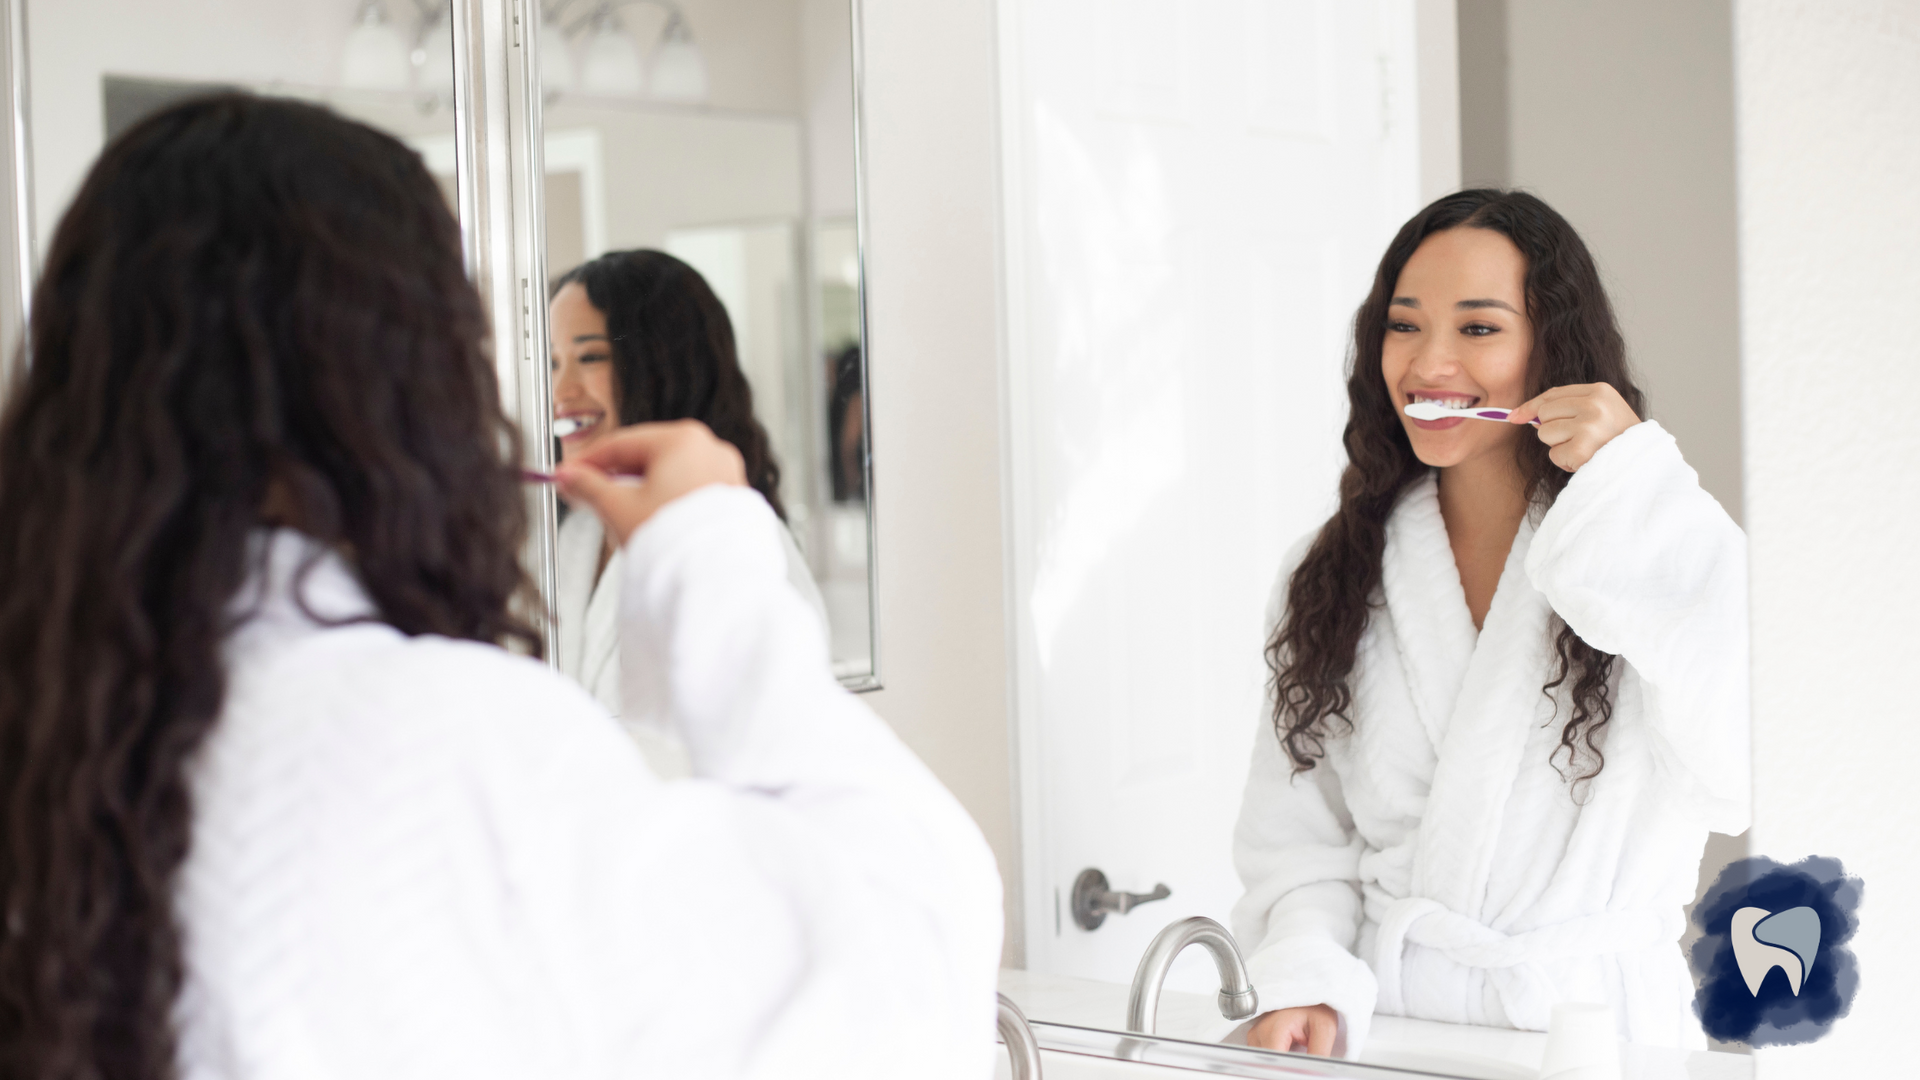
(1197, 194)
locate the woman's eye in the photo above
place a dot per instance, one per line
(594, 358)
(1479, 330)
(1401, 327)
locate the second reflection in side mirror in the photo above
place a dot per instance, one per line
(638, 337)
(705, 263)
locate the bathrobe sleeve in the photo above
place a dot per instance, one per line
(1298, 855)
(1643, 563)
(812, 901)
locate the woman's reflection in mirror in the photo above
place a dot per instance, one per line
(639, 337)
(1509, 674)
(277, 800)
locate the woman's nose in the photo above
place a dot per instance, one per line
(1436, 360)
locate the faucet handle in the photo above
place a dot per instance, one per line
(1093, 898)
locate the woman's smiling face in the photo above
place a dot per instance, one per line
(1458, 334)
(584, 388)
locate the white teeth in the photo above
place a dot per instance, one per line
(572, 425)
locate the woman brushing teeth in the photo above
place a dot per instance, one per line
(638, 337)
(585, 393)
(1512, 667)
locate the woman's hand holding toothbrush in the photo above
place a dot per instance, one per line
(639, 469)
(1576, 421)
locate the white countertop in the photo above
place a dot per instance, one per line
(1495, 1053)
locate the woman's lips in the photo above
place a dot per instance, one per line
(576, 427)
(1449, 400)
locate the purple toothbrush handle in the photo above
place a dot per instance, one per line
(1502, 414)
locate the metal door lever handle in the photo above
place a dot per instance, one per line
(1092, 899)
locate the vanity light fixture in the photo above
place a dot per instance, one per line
(612, 64)
(433, 52)
(679, 71)
(375, 57)
(556, 57)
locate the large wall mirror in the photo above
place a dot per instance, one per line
(1198, 203)
(699, 191)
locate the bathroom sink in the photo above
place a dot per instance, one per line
(1445, 1062)
(1077, 1053)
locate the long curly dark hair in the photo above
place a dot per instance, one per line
(1331, 594)
(254, 313)
(673, 353)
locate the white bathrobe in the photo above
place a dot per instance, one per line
(416, 857)
(587, 617)
(1434, 864)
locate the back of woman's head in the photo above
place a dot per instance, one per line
(674, 356)
(253, 313)
(1575, 340)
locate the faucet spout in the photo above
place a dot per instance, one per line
(1021, 1044)
(1237, 998)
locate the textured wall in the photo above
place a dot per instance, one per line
(1829, 165)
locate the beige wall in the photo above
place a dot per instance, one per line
(1620, 114)
(1830, 264)
(932, 171)
(667, 168)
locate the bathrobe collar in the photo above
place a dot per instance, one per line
(296, 587)
(1468, 688)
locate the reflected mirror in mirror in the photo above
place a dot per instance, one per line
(96, 67)
(703, 258)
(1194, 230)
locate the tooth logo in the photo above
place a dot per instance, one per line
(1764, 940)
(1758, 915)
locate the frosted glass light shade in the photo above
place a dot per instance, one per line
(376, 57)
(679, 71)
(612, 64)
(556, 59)
(436, 59)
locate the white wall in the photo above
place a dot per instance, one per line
(1829, 166)
(932, 170)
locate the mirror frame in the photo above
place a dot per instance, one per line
(861, 684)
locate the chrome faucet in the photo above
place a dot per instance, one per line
(1019, 1039)
(1237, 999)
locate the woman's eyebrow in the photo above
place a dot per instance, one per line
(1405, 301)
(579, 339)
(1470, 305)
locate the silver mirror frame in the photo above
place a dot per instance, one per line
(17, 300)
(861, 684)
(499, 174)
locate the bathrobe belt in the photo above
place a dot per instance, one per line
(1468, 943)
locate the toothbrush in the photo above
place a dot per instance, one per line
(566, 426)
(1433, 410)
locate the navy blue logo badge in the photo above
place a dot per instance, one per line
(1773, 968)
